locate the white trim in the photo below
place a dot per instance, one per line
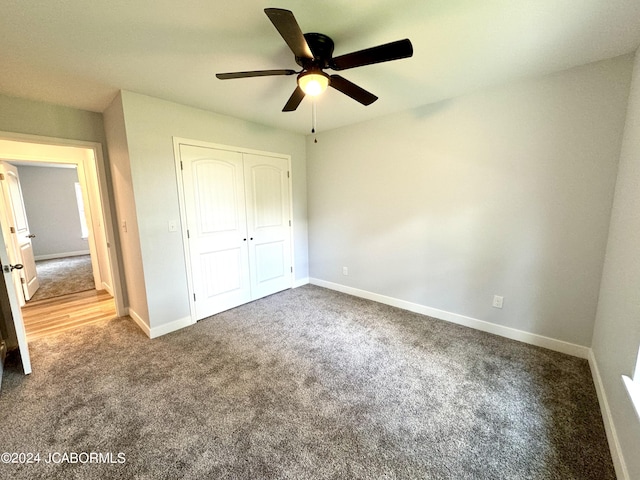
(160, 330)
(171, 327)
(300, 282)
(508, 332)
(229, 148)
(633, 389)
(183, 225)
(62, 255)
(107, 287)
(141, 323)
(609, 427)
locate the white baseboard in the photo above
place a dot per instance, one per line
(107, 287)
(141, 323)
(299, 282)
(614, 445)
(155, 332)
(508, 332)
(170, 327)
(61, 255)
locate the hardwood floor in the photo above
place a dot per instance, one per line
(54, 315)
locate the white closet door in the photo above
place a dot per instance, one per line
(216, 218)
(268, 215)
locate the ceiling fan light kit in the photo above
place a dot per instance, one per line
(314, 53)
(313, 83)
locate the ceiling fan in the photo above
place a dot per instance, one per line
(314, 53)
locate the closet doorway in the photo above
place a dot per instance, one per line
(236, 216)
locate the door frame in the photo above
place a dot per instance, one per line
(177, 141)
(93, 167)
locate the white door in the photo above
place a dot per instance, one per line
(217, 228)
(21, 250)
(16, 313)
(268, 215)
(238, 222)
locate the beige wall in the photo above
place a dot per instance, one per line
(616, 336)
(505, 191)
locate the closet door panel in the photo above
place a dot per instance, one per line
(268, 216)
(213, 182)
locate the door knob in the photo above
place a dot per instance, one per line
(10, 268)
(31, 235)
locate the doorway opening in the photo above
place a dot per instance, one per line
(58, 229)
(55, 169)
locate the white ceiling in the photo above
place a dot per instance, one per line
(80, 53)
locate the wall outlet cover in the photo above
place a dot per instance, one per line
(497, 301)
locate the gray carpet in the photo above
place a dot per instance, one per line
(63, 276)
(305, 384)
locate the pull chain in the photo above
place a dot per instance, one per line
(313, 119)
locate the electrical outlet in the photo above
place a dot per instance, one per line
(497, 301)
(173, 226)
(345, 270)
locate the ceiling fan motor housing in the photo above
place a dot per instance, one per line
(321, 47)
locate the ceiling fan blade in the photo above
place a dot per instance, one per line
(288, 27)
(255, 73)
(352, 90)
(379, 54)
(294, 100)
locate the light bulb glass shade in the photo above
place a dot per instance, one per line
(313, 83)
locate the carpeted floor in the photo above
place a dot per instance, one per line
(62, 276)
(305, 384)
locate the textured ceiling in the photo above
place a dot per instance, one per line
(80, 53)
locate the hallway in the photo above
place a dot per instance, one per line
(54, 315)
